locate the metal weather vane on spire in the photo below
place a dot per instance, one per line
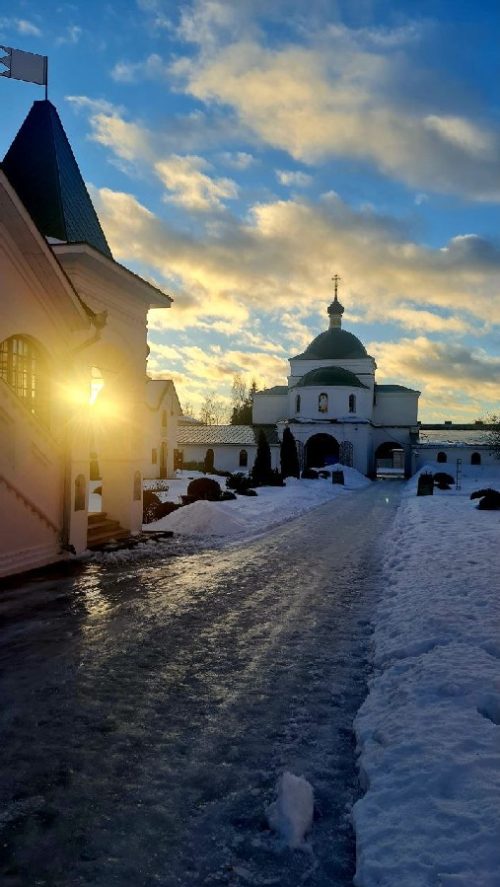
(20, 65)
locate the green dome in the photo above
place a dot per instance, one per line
(329, 376)
(334, 344)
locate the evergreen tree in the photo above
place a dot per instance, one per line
(242, 402)
(493, 435)
(262, 466)
(288, 455)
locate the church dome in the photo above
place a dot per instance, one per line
(334, 344)
(328, 377)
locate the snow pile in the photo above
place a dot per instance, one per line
(250, 515)
(428, 731)
(291, 815)
(353, 479)
(205, 519)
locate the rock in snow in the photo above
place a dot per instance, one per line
(291, 814)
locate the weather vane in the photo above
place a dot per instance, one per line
(336, 280)
(20, 65)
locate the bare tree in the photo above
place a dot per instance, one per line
(213, 411)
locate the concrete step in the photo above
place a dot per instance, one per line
(103, 538)
(102, 529)
(96, 516)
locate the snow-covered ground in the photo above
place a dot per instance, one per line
(247, 516)
(429, 730)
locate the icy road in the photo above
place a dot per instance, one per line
(148, 710)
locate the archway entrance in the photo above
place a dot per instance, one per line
(321, 450)
(390, 460)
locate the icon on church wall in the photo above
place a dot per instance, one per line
(323, 403)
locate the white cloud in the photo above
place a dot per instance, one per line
(71, 36)
(190, 186)
(339, 97)
(21, 26)
(237, 159)
(152, 68)
(293, 178)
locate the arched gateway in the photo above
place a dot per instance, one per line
(320, 450)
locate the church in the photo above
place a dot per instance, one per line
(332, 404)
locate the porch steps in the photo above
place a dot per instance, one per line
(101, 529)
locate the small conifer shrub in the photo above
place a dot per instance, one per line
(204, 488)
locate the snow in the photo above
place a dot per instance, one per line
(248, 515)
(428, 732)
(291, 815)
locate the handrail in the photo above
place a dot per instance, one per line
(29, 502)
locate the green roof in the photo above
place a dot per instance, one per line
(276, 389)
(330, 376)
(42, 169)
(394, 388)
(334, 344)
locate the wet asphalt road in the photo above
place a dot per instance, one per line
(148, 709)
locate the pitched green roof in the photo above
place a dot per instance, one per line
(330, 376)
(276, 389)
(42, 169)
(394, 388)
(334, 344)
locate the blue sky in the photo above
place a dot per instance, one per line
(240, 156)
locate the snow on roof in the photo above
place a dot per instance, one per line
(232, 435)
(452, 437)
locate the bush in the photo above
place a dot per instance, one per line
(204, 488)
(441, 477)
(274, 478)
(226, 496)
(490, 502)
(150, 505)
(478, 494)
(238, 482)
(248, 493)
(310, 474)
(158, 485)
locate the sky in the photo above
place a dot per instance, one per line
(240, 153)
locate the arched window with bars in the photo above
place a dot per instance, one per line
(24, 368)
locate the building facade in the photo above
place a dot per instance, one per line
(73, 352)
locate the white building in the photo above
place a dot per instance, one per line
(73, 357)
(335, 408)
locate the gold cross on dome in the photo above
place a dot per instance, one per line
(336, 280)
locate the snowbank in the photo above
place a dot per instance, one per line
(251, 515)
(291, 815)
(429, 730)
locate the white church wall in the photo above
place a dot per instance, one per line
(396, 408)
(336, 403)
(269, 408)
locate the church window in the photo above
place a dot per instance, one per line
(154, 456)
(297, 403)
(164, 419)
(243, 458)
(23, 368)
(352, 403)
(80, 491)
(323, 402)
(442, 457)
(475, 459)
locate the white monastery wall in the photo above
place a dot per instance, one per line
(396, 408)
(269, 408)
